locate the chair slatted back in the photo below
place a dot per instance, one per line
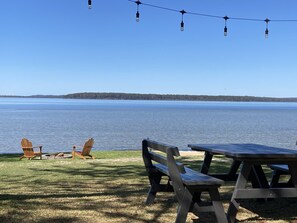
(87, 147)
(148, 152)
(27, 147)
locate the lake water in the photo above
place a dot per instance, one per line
(57, 124)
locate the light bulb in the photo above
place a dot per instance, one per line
(90, 4)
(137, 16)
(225, 31)
(182, 28)
(266, 33)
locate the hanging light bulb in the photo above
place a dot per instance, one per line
(225, 28)
(266, 30)
(182, 25)
(90, 4)
(137, 13)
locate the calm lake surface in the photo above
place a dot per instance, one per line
(57, 124)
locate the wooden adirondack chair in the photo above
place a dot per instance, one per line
(86, 149)
(28, 149)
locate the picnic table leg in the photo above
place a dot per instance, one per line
(275, 178)
(184, 206)
(204, 169)
(233, 170)
(155, 180)
(217, 205)
(258, 177)
(206, 162)
(240, 184)
(293, 171)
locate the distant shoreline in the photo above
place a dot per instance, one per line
(163, 97)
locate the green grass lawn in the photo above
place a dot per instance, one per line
(111, 188)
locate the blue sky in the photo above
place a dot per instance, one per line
(60, 47)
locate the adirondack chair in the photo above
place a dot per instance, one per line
(86, 149)
(28, 149)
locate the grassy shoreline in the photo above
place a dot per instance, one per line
(111, 188)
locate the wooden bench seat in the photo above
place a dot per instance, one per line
(279, 170)
(192, 177)
(283, 168)
(186, 183)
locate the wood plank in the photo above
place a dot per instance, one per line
(266, 193)
(246, 151)
(162, 147)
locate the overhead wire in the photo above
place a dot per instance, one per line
(212, 15)
(138, 2)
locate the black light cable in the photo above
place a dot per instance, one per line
(210, 16)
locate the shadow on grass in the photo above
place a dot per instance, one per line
(24, 218)
(107, 189)
(112, 190)
(58, 220)
(275, 209)
(98, 171)
(10, 157)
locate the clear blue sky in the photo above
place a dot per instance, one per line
(60, 47)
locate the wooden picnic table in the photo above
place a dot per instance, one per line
(250, 157)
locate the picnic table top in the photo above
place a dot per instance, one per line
(247, 151)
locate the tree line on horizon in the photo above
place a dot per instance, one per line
(174, 97)
(170, 97)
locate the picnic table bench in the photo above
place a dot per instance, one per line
(186, 183)
(279, 170)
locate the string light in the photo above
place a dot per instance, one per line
(266, 30)
(225, 28)
(210, 16)
(137, 13)
(182, 25)
(90, 4)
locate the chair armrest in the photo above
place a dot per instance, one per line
(40, 148)
(36, 147)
